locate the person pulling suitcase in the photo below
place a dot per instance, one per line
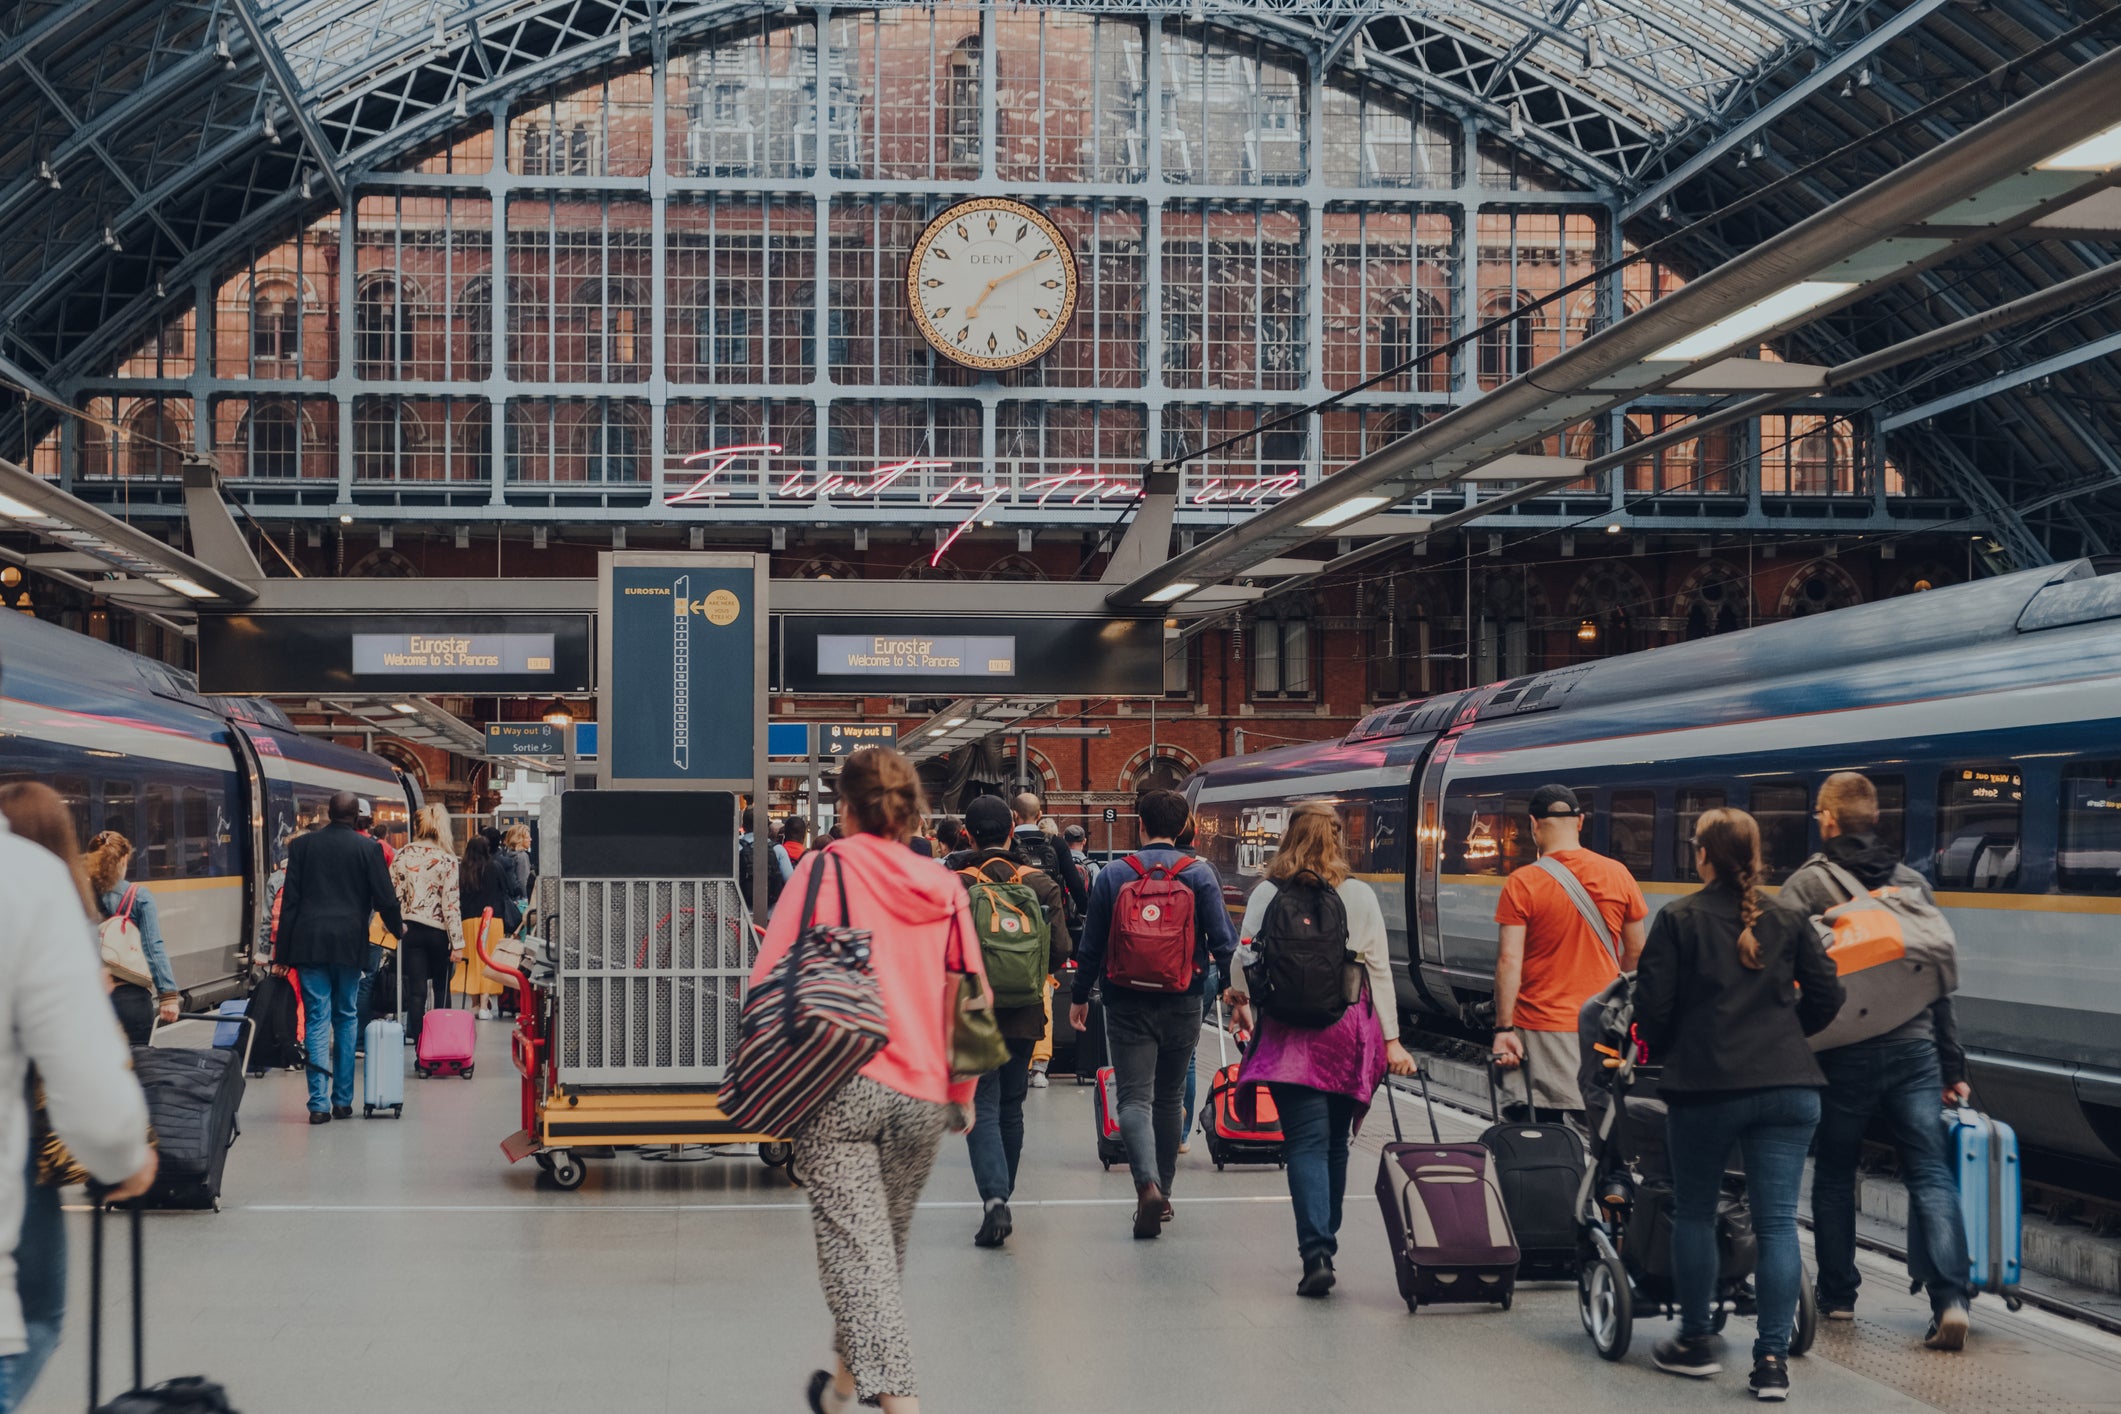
(1314, 953)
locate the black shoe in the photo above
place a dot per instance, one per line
(1947, 1329)
(820, 1381)
(1771, 1377)
(1696, 1359)
(1148, 1210)
(1318, 1276)
(994, 1229)
(1836, 1308)
(320, 1116)
(342, 1111)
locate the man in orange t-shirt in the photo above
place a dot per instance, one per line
(1550, 961)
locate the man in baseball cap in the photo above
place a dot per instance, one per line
(1570, 923)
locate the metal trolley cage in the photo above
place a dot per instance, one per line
(627, 1018)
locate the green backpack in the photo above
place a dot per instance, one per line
(1014, 937)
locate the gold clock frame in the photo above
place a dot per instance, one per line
(935, 337)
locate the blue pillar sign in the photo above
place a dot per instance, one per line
(682, 651)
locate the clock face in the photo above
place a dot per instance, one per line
(991, 283)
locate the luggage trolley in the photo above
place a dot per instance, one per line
(626, 1017)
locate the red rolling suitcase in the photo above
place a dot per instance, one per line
(1111, 1149)
(1450, 1234)
(448, 1038)
(1239, 1122)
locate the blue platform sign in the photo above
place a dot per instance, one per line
(585, 740)
(682, 645)
(788, 740)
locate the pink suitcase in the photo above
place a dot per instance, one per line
(448, 1038)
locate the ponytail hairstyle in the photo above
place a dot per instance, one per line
(105, 860)
(1730, 841)
(880, 793)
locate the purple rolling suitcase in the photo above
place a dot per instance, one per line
(1450, 1234)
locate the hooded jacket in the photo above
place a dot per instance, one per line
(919, 922)
(1812, 890)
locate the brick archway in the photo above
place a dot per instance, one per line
(1138, 765)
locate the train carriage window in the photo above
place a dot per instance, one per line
(1892, 813)
(1783, 809)
(1633, 831)
(1979, 809)
(197, 819)
(1213, 840)
(1692, 804)
(74, 791)
(157, 853)
(119, 810)
(2089, 861)
(1488, 834)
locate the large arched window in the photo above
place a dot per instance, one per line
(274, 433)
(961, 106)
(1509, 340)
(275, 323)
(475, 319)
(609, 444)
(382, 330)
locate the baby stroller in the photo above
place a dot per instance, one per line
(1624, 1209)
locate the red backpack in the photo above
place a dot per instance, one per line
(1152, 945)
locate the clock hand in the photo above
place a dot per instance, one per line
(1000, 280)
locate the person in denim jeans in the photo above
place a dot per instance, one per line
(1152, 1034)
(1902, 1075)
(1729, 986)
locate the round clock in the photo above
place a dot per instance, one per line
(991, 283)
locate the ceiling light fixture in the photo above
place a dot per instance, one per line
(1359, 59)
(272, 134)
(189, 588)
(346, 519)
(406, 707)
(1587, 632)
(1516, 120)
(110, 238)
(159, 291)
(1171, 592)
(441, 35)
(1848, 88)
(221, 50)
(1346, 511)
(16, 510)
(791, 8)
(955, 722)
(46, 175)
(1198, 13)
(1613, 529)
(937, 731)
(1592, 57)
(1664, 209)
(1756, 318)
(2101, 152)
(556, 714)
(625, 39)
(307, 191)
(1863, 77)
(463, 109)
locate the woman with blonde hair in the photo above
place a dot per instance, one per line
(866, 1153)
(137, 1006)
(425, 874)
(1321, 1078)
(1729, 985)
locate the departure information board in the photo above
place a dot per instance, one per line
(451, 653)
(532, 653)
(902, 655)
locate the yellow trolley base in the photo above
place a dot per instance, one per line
(570, 1121)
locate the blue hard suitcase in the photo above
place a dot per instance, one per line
(228, 1033)
(383, 1059)
(1984, 1160)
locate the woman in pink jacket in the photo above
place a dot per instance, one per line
(866, 1154)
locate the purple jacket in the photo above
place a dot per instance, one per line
(1346, 1058)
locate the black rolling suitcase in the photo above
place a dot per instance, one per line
(1540, 1169)
(193, 1394)
(1450, 1235)
(192, 1099)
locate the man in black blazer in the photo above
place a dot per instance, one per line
(336, 878)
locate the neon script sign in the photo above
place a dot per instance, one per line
(716, 467)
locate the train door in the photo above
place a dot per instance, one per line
(254, 846)
(1426, 862)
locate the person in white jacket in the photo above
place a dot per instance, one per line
(57, 1019)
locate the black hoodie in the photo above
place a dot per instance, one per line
(1813, 890)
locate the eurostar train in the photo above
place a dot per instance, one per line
(1988, 714)
(209, 790)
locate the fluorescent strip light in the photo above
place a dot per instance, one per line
(9, 506)
(406, 707)
(189, 588)
(1346, 511)
(1758, 317)
(2101, 152)
(955, 722)
(938, 731)
(1170, 592)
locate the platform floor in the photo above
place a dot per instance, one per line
(404, 1265)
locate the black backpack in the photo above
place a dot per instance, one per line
(745, 875)
(276, 1044)
(1301, 976)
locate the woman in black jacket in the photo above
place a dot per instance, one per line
(1729, 985)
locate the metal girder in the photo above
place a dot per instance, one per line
(1575, 385)
(1798, 93)
(1508, 65)
(132, 109)
(36, 504)
(1332, 52)
(2003, 382)
(283, 81)
(15, 373)
(95, 145)
(1967, 482)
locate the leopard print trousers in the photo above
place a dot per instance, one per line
(864, 1157)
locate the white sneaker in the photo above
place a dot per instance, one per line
(1038, 1080)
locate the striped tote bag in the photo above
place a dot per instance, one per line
(814, 1020)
